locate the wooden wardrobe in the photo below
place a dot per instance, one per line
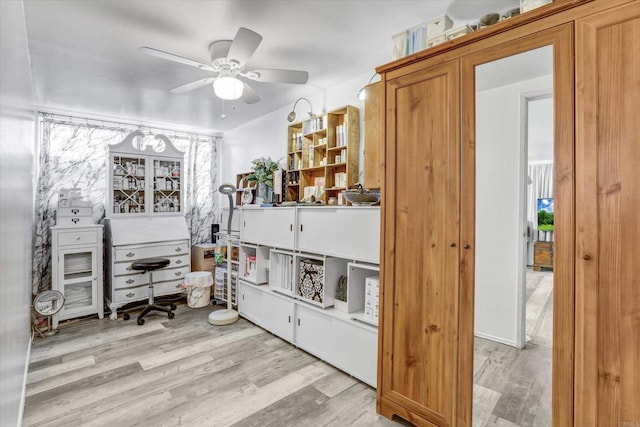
(425, 360)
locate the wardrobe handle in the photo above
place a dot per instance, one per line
(298, 322)
(289, 319)
(453, 245)
(466, 246)
(586, 257)
(290, 227)
(300, 227)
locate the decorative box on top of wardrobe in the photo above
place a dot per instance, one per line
(145, 218)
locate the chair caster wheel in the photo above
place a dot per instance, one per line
(171, 315)
(141, 322)
(126, 316)
(173, 306)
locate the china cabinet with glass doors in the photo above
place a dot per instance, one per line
(145, 178)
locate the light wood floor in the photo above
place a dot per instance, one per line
(512, 387)
(187, 372)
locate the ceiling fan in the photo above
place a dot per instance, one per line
(228, 60)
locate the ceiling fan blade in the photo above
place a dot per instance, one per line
(278, 76)
(244, 45)
(175, 58)
(249, 95)
(193, 85)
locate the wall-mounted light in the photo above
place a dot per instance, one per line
(362, 93)
(227, 86)
(292, 115)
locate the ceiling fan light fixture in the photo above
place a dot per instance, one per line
(228, 87)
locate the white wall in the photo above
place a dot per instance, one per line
(16, 209)
(499, 205)
(267, 135)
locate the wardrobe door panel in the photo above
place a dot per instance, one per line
(420, 304)
(608, 218)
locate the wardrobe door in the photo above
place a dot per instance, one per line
(608, 219)
(419, 318)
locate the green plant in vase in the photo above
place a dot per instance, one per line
(340, 302)
(263, 169)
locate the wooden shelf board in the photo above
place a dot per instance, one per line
(315, 168)
(293, 185)
(340, 147)
(337, 164)
(335, 189)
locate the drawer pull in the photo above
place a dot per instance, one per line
(130, 254)
(179, 261)
(179, 285)
(178, 273)
(128, 268)
(130, 294)
(75, 211)
(77, 238)
(178, 249)
(130, 281)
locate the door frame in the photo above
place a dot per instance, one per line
(525, 99)
(561, 38)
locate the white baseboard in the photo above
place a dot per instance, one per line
(496, 339)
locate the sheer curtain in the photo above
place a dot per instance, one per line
(541, 176)
(73, 153)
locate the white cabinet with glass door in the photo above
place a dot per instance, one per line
(145, 177)
(77, 270)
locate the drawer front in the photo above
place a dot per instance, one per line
(79, 221)
(75, 212)
(133, 294)
(122, 268)
(132, 254)
(166, 288)
(170, 274)
(77, 238)
(130, 281)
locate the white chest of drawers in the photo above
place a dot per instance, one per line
(77, 270)
(129, 240)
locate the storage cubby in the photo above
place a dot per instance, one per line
(254, 263)
(317, 278)
(281, 278)
(359, 304)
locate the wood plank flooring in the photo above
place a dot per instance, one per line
(185, 372)
(189, 373)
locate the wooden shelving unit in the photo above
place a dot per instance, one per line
(323, 152)
(244, 184)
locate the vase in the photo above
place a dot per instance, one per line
(264, 193)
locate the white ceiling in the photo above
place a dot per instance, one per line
(85, 58)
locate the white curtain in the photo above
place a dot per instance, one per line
(73, 153)
(541, 185)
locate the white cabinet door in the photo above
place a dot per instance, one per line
(250, 303)
(351, 233)
(356, 350)
(314, 332)
(278, 315)
(269, 227)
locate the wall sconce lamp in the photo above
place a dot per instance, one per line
(362, 93)
(292, 115)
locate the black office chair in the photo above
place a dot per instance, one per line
(149, 265)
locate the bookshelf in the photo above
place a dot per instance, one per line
(323, 151)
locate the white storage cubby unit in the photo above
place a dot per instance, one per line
(305, 317)
(77, 270)
(360, 297)
(145, 179)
